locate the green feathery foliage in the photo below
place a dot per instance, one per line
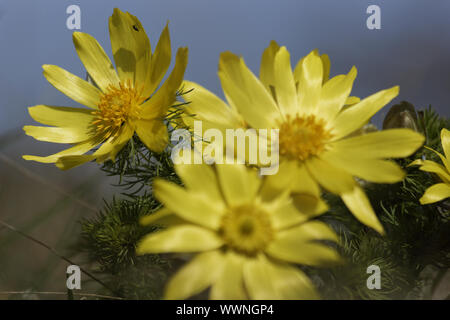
(136, 166)
(110, 239)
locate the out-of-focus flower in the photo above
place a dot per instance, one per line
(246, 240)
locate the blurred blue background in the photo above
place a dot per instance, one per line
(412, 49)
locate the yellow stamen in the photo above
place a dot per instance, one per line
(303, 137)
(118, 105)
(246, 229)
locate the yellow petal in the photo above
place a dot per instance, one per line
(290, 175)
(108, 150)
(445, 140)
(326, 67)
(430, 166)
(290, 282)
(238, 183)
(286, 92)
(130, 46)
(113, 145)
(246, 92)
(72, 161)
(374, 170)
(78, 149)
(161, 59)
(266, 70)
(353, 118)
(310, 84)
(416, 162)
(156, 107)
(162, 217)
(57, 135)
(73, 157)
(195, 277)
(184, 238)
(200, 178)
(267, 280)
(335, 93)
(257, 277)
(62, 116)
(153, 133)
(144, 64)
(284, 214)
(155, 216)
(310, 206)
(308, 231)
(436, 193)
(229, 285)
(95, 60)
(206, 106)
(358, 203)
(329, 176)
(303, 201)
(352, 100)
(290, 247)
(299, 69)
(393, 143)
(274, 184)
(194, 207)
(72, 86)
(303, 182)
(445, 161)
(378, 171)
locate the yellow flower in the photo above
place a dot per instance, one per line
(246, 238)
(439, 191)
(317, 122)
(121, 102)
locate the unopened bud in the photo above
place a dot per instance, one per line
(402, 115)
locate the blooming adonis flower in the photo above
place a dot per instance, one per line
(121, 102)
(246, 239)
(439, 191)
(317, 122)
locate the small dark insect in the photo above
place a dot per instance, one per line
(135, 28)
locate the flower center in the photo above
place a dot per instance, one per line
(116, 106)
(302, 137)
(246, 229)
